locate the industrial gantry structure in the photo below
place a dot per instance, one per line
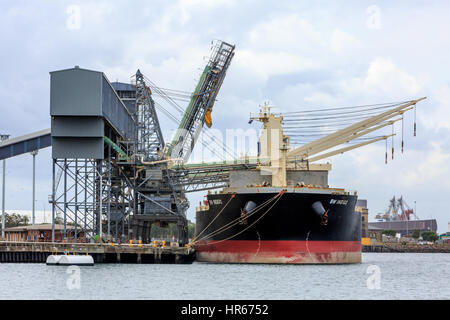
(113, 174)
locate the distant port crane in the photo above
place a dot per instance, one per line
(398, 210)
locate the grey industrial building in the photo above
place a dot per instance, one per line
(406, 227)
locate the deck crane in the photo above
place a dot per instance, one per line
(350, 133)
(279, 157)
(202, 101)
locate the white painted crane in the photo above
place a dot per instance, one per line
(350, 133)
(279, 156)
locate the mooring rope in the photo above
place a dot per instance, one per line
(278, 197)
(223, 208)
(237, 220)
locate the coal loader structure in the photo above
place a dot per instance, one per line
(118, 176)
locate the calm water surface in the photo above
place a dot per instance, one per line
(402, 276)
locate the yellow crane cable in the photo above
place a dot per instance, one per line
(237, 220)
(254, 222)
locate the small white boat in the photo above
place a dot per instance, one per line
(70, 260)
(53, 259)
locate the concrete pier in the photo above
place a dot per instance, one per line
(413, 248)
(34, 252)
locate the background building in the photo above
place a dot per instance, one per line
(39, 233)
(361, 207)
(405, 228)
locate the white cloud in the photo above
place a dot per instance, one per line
(288, 32)
(181, 13)
(439, 115)
(385, 76)
(386, 81)
(342, 42)
(382, 81)
(266, 64)
(281, 45)
(433, 166)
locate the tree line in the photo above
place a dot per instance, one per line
(15, 220)
(426, 235)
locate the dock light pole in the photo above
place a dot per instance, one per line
(415, 207)
(100, 203)
(34, 153)
(98, 171)
(53, 200)
(3, 137)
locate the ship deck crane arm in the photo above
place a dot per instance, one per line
(342, 150)
(341, 140)
(343, 134)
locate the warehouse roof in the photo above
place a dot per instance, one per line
(429, 224)
(120, 86)
(25, 137)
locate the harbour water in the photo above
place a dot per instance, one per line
(380, 276)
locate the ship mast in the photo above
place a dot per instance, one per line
(274, 145)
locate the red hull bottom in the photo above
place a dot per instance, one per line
(280, 252)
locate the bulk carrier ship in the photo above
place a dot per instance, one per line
(280, 225)
(282, 210)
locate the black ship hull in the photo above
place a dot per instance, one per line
(282, 227)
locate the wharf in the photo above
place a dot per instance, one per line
(413, 248)
(35, 252)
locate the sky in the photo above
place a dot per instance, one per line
(296, 55)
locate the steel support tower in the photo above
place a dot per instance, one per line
(113, 175)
